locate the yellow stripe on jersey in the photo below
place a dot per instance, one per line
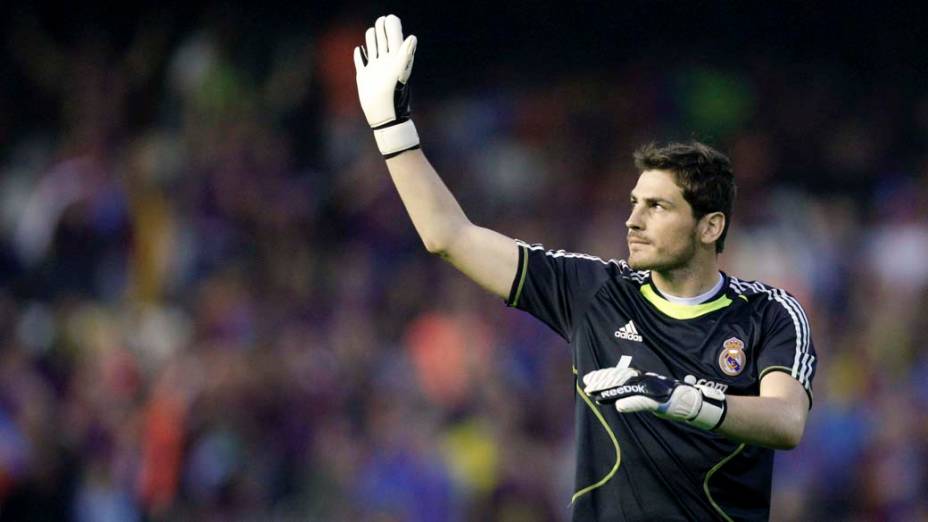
(705, 484)
(523, 270)
(682, 311)
(615, 442)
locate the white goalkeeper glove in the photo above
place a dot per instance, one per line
(382, 73)
(697, 405)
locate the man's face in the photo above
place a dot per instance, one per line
(661, 226)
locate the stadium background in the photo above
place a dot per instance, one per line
(214, 306)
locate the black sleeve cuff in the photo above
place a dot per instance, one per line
(515, 292)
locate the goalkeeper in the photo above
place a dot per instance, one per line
(688, 378)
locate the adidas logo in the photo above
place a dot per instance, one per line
(629, 333)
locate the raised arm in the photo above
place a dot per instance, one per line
(487, 257)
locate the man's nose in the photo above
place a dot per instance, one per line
(634, 220)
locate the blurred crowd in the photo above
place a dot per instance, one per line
(217, 309)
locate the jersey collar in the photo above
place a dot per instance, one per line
(682, 311)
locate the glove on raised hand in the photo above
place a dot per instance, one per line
(383, 67)
(698, 405)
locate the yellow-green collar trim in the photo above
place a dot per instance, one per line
(682, 311)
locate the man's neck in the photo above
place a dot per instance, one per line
(687, 281)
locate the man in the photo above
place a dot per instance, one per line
(688, 377)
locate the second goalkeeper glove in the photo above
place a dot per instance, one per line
(697, 405)
(382, 84)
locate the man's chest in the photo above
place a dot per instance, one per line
(718, 348)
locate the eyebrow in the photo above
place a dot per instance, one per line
(652, 200)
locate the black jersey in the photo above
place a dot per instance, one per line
(638, 466)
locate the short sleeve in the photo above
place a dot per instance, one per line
(787, 344)
(556, 286)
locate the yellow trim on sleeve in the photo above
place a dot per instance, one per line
(769, 369)
(515, 300)
(681, 311)
(705, 484)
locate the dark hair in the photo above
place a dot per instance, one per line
(702, 172)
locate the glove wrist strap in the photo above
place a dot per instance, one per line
(394, 139)
(712, 413)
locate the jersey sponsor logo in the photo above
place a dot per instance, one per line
(692, 381)
(732, 358)
(623, 390)
(629, 333)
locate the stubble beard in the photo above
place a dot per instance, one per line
(664, 262)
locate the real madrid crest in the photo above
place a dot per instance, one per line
(732, 358)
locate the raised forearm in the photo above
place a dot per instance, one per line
(435, 213)
(383, 68)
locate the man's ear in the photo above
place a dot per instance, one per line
(710, 227)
